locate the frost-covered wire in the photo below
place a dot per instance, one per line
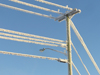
(30, 35)
(27, 11)
(80, 58)
(76, 68)
(32, 56)
(27, 41)
(22, 37)
(85, 47)
(54, 4)
(35, 6)
(35, 56)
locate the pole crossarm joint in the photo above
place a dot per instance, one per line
(70, 13)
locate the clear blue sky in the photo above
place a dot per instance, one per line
(87, 23)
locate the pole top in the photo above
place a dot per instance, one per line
(70, 13)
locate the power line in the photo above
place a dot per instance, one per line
(30, 35)
(27, 11)
(15, 36)
(80, 58)
(35, 6)
(21, 40)
(76, 68)
(40, 57)
(54, 4)
(84, 45)
(32, 56)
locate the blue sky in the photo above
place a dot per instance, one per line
(87, 23)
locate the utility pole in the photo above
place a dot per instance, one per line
(67, 16)
(69, 45)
